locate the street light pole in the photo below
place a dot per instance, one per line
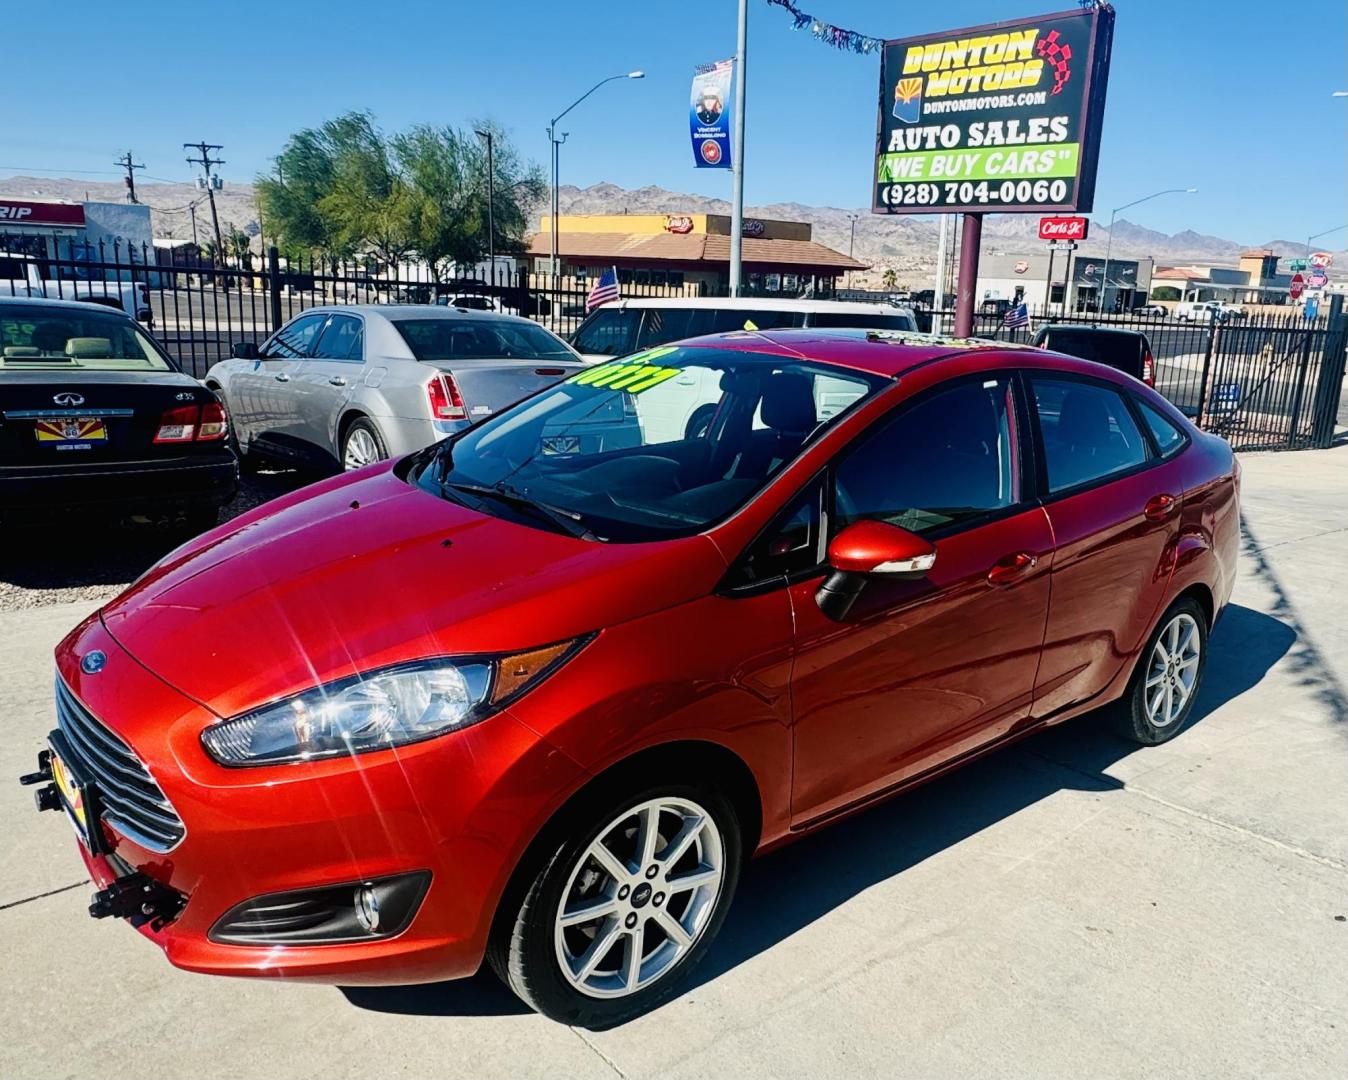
(737, 156)
(851, 244)
(1104, 284)
(1317, 236)
(556, 142)
(491, 208)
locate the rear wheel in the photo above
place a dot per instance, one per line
(623, 906)
(362, 445)
(1168, 676)
(700, 422)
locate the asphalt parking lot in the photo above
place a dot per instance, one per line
(1074, 906)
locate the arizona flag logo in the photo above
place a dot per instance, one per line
(908, 100)
(71, 430)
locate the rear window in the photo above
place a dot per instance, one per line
(39, 336)
(480, 339)
(879, 320)
(1120, 351)
(608, 332)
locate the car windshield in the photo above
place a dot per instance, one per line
(661, 444)
(42, 336)
(480, 339)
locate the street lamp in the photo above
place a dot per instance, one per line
(1104, 284)
(491, 207)
(851, 244)
(1317, 236)
(556, 142)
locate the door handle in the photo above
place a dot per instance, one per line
(1160, 507)
(1011, 567)
(281, 376)
(337, 380)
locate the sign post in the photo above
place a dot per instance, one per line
(998, 118)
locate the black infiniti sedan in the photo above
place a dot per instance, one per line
(94, 415)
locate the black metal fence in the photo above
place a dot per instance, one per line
(1262, 382)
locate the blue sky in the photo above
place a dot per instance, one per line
(1232, 98)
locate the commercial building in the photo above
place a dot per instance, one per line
(1256, 280)
(1064, 281)
(76, 231)
(692, 252)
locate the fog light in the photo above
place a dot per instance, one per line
(326, 915)
(367, 908)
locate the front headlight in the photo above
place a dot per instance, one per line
(380, 709)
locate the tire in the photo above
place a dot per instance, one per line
(362, 445)
(700, 422)
(1146, 714)
(531, 944)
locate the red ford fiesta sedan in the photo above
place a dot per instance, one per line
(535, 693)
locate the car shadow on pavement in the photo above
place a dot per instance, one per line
(787, 890)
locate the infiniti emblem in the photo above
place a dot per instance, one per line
(69, 399)
(92, 662)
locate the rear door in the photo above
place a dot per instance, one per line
(1114, 503)
(325, 380)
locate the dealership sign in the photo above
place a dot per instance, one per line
(1004, 117)
(27, 212)
(1063, 228)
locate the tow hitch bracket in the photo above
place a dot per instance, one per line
(137, 897)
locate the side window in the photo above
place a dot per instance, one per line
(663, 325)
(342, 340)
(608, 332)
(877, 320)
(1089, 434)
(727, 320)
(1168, 437)
(951, 457)
(790, 543)
(295, 339)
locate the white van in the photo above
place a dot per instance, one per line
(628, 326)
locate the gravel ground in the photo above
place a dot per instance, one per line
(90, 560)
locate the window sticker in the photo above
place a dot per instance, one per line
(633, 375)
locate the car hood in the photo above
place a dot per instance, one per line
(366, 570)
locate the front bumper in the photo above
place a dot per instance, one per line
(463, 807)
(127, 486)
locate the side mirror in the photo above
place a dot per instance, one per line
(244, 350)
(864, 548)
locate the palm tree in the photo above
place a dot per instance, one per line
(889, 279)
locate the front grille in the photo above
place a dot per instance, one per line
(132, 803)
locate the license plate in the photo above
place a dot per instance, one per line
(71, 430)
(77, 796)
(562, 444)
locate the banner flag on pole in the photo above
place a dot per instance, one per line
(709, 115)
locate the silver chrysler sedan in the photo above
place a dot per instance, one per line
(350, 385)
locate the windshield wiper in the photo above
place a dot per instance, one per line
(566, 520)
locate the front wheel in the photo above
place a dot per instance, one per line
(623, 906)
(1169, 672)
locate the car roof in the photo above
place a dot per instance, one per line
(401, 312)
(878, 352)
(753, 303)
(1086, 328)
(53, 302)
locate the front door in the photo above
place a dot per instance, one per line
(921, 671)
(327, 379)
(263, 396)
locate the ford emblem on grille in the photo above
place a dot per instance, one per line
(92, 662)
(69, 399)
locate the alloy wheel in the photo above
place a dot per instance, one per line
(639, 897)
(361, 450)
(1173, 670)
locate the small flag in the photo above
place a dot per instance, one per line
(603, 290)
(1016, 317)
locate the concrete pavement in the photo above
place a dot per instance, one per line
(1072, 907)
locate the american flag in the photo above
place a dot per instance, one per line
(1016, 317)
(603, 290)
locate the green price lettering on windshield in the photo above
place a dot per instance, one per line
(633, 375)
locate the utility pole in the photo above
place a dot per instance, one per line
(737, 155)
(192, 210)
(206, 161)
(491, 206)
(130, 167)
(851, 244)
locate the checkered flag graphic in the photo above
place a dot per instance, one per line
(1058, 56)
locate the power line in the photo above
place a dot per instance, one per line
(130, 167)
(206, 161)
